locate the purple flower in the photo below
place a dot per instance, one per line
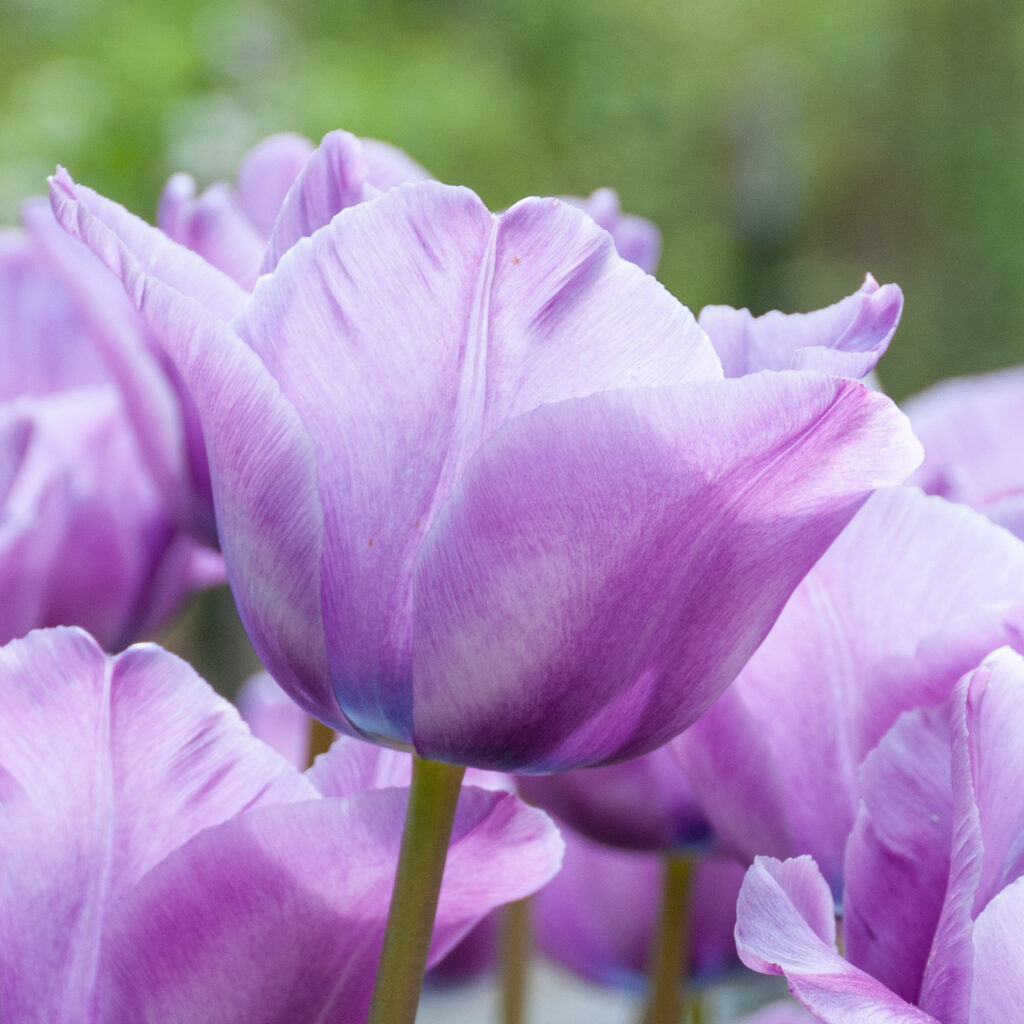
(846, 339)
(641, 804)
(87, 534)
(599, 914)
(480, 486)
(159, 864)
(286, 189)
(970, 429)
(914, 592)
(934, 895)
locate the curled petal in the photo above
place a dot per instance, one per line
(785, 926)
(846, 339)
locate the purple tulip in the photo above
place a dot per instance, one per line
(970, 429)
(846, 339)
(598, 916)
(934, 874)
(913, 593)
(480, 486)
(159, 864)
(87, 536)
(286, 189)
(641, 804)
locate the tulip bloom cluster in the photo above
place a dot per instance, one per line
(486, 495)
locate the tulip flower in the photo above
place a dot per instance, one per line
(157, 863)
(87, 533)
(969, 428)
(846, 339)
(641, 804)
(598, 915)
(932, 912)
(286, 189)
(914, 592)
(481, 488)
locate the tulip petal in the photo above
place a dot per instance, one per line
(608, 564)
(914, 592)
(332, 179)
(213, 225)
(278, 915)
(389, 166)
(81, 212)
(997, 989)
(988, 818)
(897, 858)
(641, 804)
(275, 718)
(261, 458)
(967, 427)
(267, 172)
(406, 332)
(785, 926)
(846, 339)
(106, 766)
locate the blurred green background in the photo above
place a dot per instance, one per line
(784, 148)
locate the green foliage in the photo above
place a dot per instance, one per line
(783, 148)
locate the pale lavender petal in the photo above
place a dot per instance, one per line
(407, 332)
(214, 225)
(969, 428)
(106, 766)
(846, 339)
(110, 230)
(333, 178)
(108, 328)
(997, 991)
(278, 915)
(636, 239)
(353, 766)
(388, 166)
(601, 575)
(84, 536)
(785, 926)
(266, 173)
(44, 346)
(264, 467)
(897, 859)
(642, 804)
(275, 718)
(988, 815)
(936, 587)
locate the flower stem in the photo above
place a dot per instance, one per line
(515, 961)
(667, 996)
(428, 827)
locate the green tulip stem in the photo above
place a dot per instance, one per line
(667, 995)
(515, 961)
(428, 828)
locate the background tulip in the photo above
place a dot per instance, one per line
(914, 592)
(159, 864)
(941, 806)
(87, 533)
(970, 430)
